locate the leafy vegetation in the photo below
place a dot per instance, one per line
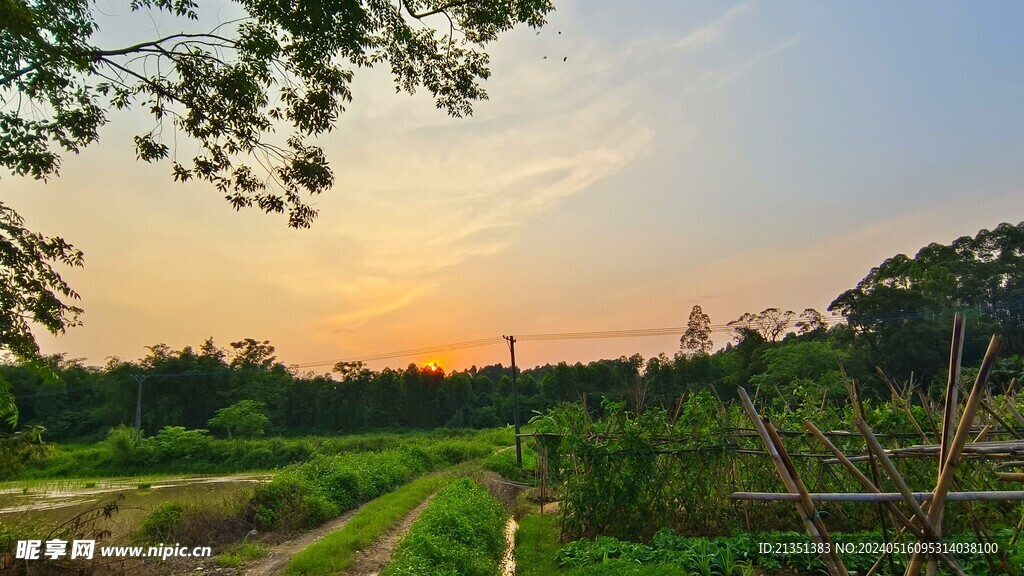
(307, 494)
(335, 553)
(243, 419)
(461, 532)
(193, 523)
(504, 463)
(628, 475)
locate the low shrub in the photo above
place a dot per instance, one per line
(455, 451)
(461, 532)
(196, 523)
(160, 524)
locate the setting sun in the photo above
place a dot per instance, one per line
(432, 366)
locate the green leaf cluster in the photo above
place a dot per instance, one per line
(460, 533)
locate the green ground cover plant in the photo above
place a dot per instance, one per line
(192, 523)
(738, 555)
(536, 546)
(460, 533)
(236, 555)
(335, 553)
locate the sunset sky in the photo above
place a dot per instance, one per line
(733, 155)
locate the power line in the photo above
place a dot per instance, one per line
(1010, 306)
(479, 343)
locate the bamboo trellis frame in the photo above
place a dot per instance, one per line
(927, 508)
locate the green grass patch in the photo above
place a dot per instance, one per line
(335, 552)
(461, 532)
(536, 546)
(237, 555)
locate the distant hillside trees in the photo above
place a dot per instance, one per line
(901, 309)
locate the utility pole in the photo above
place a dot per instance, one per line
(139, 378)
(515, 399)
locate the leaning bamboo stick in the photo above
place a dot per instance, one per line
(1013, 409)
(887, 464)
(952, 463)
(876, 476)
(952, 403)
(893, 510)
(834, 568)
(952, 388)
(802, 492)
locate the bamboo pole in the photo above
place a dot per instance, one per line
(832, 562)
(875, 475)
(952, 403)
(887, 464)
(997, 496)
(952, 388)
(952, 462)
(801, 489)
(893, 510)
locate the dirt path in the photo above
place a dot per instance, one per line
(276, 560)
(370, 561)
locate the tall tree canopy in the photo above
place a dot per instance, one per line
(903, 306)
(697, 337)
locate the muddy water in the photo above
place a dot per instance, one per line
(49, 504)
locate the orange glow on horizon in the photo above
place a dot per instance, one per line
(432, 366)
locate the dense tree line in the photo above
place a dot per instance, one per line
(897, 319)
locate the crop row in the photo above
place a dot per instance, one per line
(460, 533)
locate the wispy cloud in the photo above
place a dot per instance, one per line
(420, 203)
(711, 32)
(715, 79)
